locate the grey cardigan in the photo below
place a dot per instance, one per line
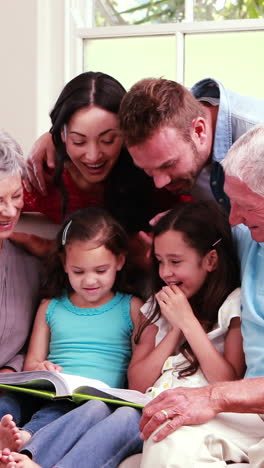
(19, 288)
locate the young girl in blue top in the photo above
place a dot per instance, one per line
(84, 326)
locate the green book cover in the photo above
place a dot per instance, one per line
(56, 385)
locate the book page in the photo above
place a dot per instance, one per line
(75, 381)
(116, 394)
(63, 384)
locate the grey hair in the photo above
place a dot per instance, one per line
(245, 159)
(12, 161)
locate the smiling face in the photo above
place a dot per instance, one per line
(93, 142)
(180, 264)
(91, 272)
(247, 207)
(11, 203)
(173, 162)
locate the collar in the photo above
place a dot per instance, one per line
(223, 131)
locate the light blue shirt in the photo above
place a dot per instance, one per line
(92, 342)
(236, 115)
(251, 254)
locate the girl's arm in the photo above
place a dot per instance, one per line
(147, 360)
(215, 366)
(39, 343)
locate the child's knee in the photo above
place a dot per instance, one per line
(128, 415)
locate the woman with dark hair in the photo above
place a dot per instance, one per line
(92, 165)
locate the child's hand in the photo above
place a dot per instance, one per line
(174, 306)
(47, 365)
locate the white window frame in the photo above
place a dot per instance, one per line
(75, 33)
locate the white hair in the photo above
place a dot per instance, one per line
(245, 159)
(12, 161)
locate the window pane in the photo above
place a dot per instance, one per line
(119, 12)
(130, 59)
(211, 10)
(232, 58)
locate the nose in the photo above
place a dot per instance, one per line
(165, 271)
(91, 152)
(235, 216)
(89, 280)
(9, 209)
(161, 180)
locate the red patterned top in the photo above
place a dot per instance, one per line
(51, 204)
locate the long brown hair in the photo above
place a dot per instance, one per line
(202, 225)
(90, 224)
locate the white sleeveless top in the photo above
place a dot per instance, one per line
(173, 364)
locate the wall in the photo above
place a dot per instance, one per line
(32, 65)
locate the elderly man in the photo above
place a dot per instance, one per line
(200, 428)
(180, 137)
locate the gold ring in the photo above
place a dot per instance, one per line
(165, 413)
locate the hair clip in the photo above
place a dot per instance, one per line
(64, 234)
(217, 242)
(65, 132)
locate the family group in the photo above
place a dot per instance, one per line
(154, 280)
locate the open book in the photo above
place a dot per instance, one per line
(54, 385)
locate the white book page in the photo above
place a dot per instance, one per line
(75, 381)
(130, 395)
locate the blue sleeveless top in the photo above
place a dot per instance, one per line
(93, 342)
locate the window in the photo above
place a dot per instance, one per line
(121, 12)
(185, 51)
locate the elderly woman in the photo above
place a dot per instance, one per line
(19, 271)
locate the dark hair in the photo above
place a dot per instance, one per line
(86, 89)
(130, 195)
(90, 224)
(202, 225)
(154, 102)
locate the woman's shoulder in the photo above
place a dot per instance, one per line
(14, 250)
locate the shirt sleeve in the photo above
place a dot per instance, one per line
(16, 362)
(230, 309)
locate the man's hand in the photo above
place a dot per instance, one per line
(156, 218)
(42, 153)
(140, 249)
(184, 407)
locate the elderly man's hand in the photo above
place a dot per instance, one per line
(182, 407)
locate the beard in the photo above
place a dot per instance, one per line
(184, 185)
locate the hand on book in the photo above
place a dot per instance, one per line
(47, 365)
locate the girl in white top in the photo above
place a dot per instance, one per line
(191, 332)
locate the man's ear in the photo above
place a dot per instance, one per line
(199, 130)
(211, 260)
(120, 261)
